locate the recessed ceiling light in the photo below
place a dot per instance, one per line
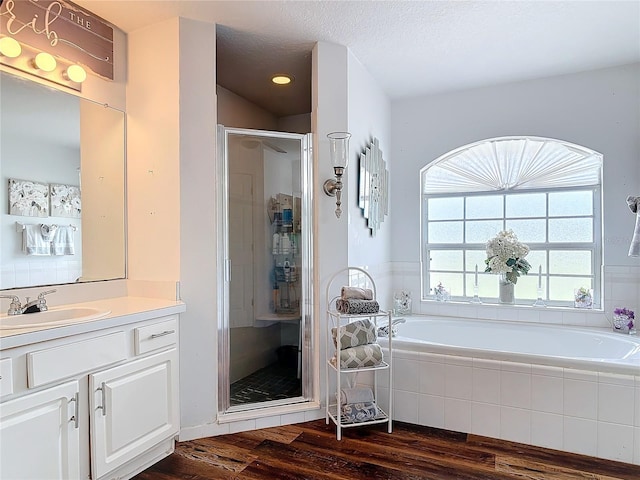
(281, 79)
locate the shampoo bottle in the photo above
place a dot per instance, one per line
(276, 243)
(276, 294)
(285, 243)
(287, 271)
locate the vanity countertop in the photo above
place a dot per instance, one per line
(123, 311)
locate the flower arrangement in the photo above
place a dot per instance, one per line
(583, 298)
(505, 255)
(402, 302)
(623, 319)
(442, 294)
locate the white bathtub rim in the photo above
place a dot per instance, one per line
(626, 366)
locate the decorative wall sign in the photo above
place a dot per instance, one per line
(62, 29)
(65, 201)
(28, 198)
(373, 186)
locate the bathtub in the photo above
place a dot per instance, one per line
(574, 389)
(594, 349)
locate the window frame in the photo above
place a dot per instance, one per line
(595, 246)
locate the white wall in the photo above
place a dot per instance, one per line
(153, 152)
(597, 109)
(198, 190)
(369, 117)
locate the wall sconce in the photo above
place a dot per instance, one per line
(45, 62)
(9, 47)
(75, 73)
(339, 150)
(41, 64)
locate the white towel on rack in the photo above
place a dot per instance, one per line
(36, 240)
(63, 241)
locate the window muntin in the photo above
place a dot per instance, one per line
(562, 245)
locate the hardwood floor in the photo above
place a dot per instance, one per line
(310, 451)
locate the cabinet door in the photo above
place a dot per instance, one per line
(39, 435)
(133, 407)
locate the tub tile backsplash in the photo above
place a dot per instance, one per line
(574, 410)
(621, 288)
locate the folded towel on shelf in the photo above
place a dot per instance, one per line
(355, 333)
(356, 395)
(63, 241)
(361, 357)
(352, 306)
(36, 239)
(356, 293)
(359, 412)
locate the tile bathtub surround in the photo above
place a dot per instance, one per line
(577, 411)
(621, 287)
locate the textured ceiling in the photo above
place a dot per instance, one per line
(410, 47)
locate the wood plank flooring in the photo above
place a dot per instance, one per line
(310, 451)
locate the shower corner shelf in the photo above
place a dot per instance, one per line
(336, 319)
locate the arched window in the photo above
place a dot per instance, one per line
(547, 191)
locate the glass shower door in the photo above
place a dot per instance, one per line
(266, 251)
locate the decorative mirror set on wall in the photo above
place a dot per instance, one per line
(373, 186)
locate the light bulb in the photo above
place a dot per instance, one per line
(75, 73)
(281, 79)
(45, 62)
(9, 47)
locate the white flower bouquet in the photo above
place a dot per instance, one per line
(505, 256)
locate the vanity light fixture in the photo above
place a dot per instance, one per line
(9, 47)
(339, 151)
(281, 79)
(45, 61)
(75, 73)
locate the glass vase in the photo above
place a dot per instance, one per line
(401, 302)
(506, 290)
(623, 324)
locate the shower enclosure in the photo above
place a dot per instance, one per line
(265, 314)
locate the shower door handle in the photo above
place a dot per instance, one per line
(227, 270)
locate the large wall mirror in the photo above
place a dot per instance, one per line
(62, 164)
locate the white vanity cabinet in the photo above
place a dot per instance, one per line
(98, 405)
(133, 408)
(40, 435)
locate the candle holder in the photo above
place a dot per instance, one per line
(476, 298)
(539, 302)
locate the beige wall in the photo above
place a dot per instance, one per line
(103, 176)
(153, 156)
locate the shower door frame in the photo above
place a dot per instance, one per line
(227, 412)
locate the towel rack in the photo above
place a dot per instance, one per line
(21, 226)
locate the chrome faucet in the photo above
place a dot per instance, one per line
(34, 306)
(384, 330)
(15, 308)
(37, 305)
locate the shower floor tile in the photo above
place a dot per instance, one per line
(274, 382)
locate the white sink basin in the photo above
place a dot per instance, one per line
(53, 317)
